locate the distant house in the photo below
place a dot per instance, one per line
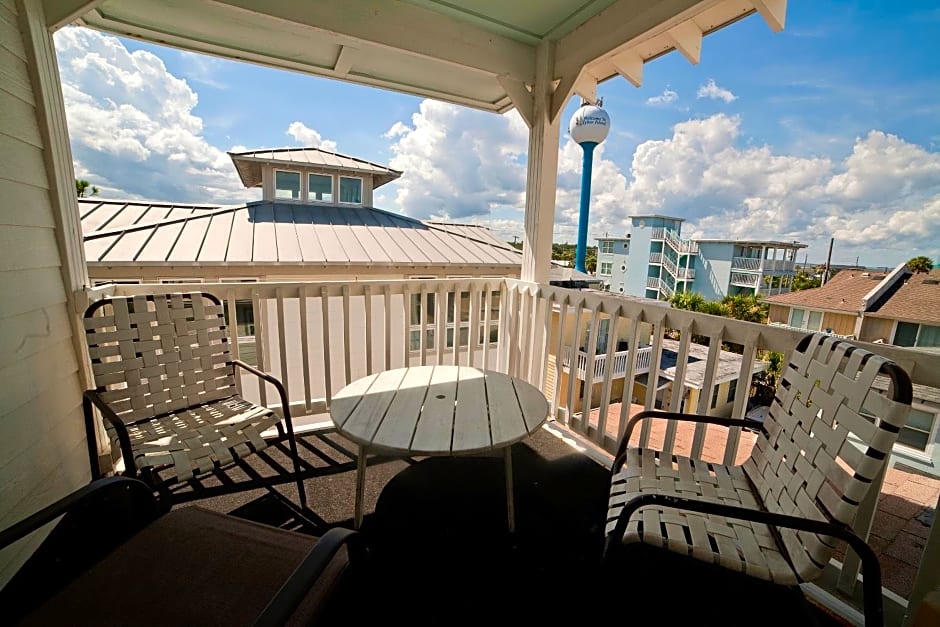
(655, 261)
(896, 307)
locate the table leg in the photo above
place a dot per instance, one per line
(360, 485)
(510, 497)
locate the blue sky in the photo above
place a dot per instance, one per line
(830, 128)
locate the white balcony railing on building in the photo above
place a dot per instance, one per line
(755, 264)
(658, 233)
(683, 246)
(620, 358)
(656, 257)
(652, 283)
(744, 280)
(319, 336)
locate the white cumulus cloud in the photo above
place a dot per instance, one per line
(132, 126)
(309, 137)
(457, 162)
(667, 97)
(713, 91)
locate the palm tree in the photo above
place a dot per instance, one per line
(920, 264)
(82, 188)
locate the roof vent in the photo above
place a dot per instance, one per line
(866, 274)
(931, 281)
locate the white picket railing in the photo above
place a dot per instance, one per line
(317, 337)
(756, 264)
(656, 257)
(619, 370)
(744, 280)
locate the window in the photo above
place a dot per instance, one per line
(911, 334)
(607, 246)
(606, 268)
(350, 190)
(286, 185)
(320, 187)
(715, 396)
(732, 390)
(916, 433)
(809, 320)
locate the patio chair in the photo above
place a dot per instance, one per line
(191, 566)
(780, 514)
(166, 389)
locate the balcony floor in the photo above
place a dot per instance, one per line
(441, 551)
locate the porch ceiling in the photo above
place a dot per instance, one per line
(479, 53)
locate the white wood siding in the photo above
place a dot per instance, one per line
(42, 442)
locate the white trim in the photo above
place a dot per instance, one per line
(339, 185)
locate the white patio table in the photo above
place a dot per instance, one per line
(437, 411)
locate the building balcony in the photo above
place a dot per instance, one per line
(754, 264)
(656, 258)
(742, 279)
(318, 337)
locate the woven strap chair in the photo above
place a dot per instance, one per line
(780, 515)
(166, 389)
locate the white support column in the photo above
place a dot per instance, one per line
(542, 176)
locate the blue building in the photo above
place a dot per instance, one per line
(655, 261)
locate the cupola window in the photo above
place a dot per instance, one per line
(320, 187)
(350, 190)
(287, 185)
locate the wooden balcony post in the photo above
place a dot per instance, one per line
(541, 179)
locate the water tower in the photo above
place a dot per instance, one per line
(588, 127)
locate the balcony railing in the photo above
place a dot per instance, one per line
(684, 246)
(640, 366)
(755, 264)
(656, 257)
(319, 336)
(744, 280)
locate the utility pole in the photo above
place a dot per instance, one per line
(825, 277)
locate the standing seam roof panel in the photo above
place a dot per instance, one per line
(329, 241)
(288, 247)
(97, 247)
(350, 244)
(242, 238)
(398, 230)
(386, 250)
(189, 243)
(265, 237)
(128, 246)
(218, 234)
(162, 242)
(310, 248)
(99, 218)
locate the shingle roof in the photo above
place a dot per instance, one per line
(249, 163)
(264, 232)
(843, 292)
(917, 300)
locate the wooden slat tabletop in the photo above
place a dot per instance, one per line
(438, 410)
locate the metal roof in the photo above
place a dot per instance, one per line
(249, 164)
(478, 53)
(122, 233)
